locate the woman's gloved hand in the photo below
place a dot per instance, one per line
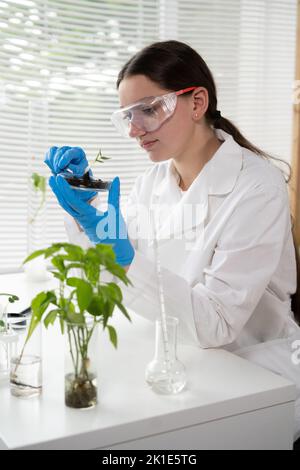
(101, 227)
(60, 159)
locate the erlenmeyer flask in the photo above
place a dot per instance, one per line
(165, 374)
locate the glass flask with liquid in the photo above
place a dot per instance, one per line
(165, 374)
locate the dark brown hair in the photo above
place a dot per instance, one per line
(295, 305)
(174, 65)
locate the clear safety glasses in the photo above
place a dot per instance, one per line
(148, 114)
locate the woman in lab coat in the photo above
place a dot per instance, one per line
(216, 204)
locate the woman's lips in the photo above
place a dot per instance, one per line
(148, 144)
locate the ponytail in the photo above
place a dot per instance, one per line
(295, 300)
(227, 126)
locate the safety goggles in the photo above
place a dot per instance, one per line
(148, 114)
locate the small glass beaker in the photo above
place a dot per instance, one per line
(7, 339)
(165, 374)
(26, 364)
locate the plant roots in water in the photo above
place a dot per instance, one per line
(80, 392)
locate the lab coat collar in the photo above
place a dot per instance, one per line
(217, 177)
(220, 172)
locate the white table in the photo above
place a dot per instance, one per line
(229, 403)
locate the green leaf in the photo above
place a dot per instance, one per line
(73, 266)
(96, 306)
(33, 255)
(112, 292)
(51, 317)
(106, 253)
(116, 290)
(59, 276)
(62, 302)
(53, 249)
(107, 312)
(75, 281)
(92, 262)
(118, 271)
(11, 297)
(113, 335)
(38, 306)
(75, 318)
(2, 324)
(123, 310)
(62, 325)
(84, 292)
(38, 182)
(58, 263)
(75, 252)
(100, 158)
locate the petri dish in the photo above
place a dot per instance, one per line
(86, 182)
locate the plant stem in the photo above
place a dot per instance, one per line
(38, 209)
(76, 350)
(70, 348)
(19, 359)
(83, 351)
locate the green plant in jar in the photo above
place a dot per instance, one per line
(3, 320)
(82, 302)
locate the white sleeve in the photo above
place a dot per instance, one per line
(214, 312)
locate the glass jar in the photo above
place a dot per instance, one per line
(26, 363)
(81, 350)
(7, 339)
(165, 374)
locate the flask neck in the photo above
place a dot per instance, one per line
(166, 343)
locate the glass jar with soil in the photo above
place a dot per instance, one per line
(81, 364)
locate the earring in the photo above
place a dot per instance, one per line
(196, 115)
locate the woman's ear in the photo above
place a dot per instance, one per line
(199, 102)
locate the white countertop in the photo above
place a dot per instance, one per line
(220, 384)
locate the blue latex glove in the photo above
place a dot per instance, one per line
(60, 159)
(101, 227)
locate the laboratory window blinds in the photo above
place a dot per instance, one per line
(58, 65)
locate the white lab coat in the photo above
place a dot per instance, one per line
(229, 268)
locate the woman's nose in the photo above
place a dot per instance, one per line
(135, 131)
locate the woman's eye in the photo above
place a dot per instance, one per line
(127, 116)
(149, 111)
